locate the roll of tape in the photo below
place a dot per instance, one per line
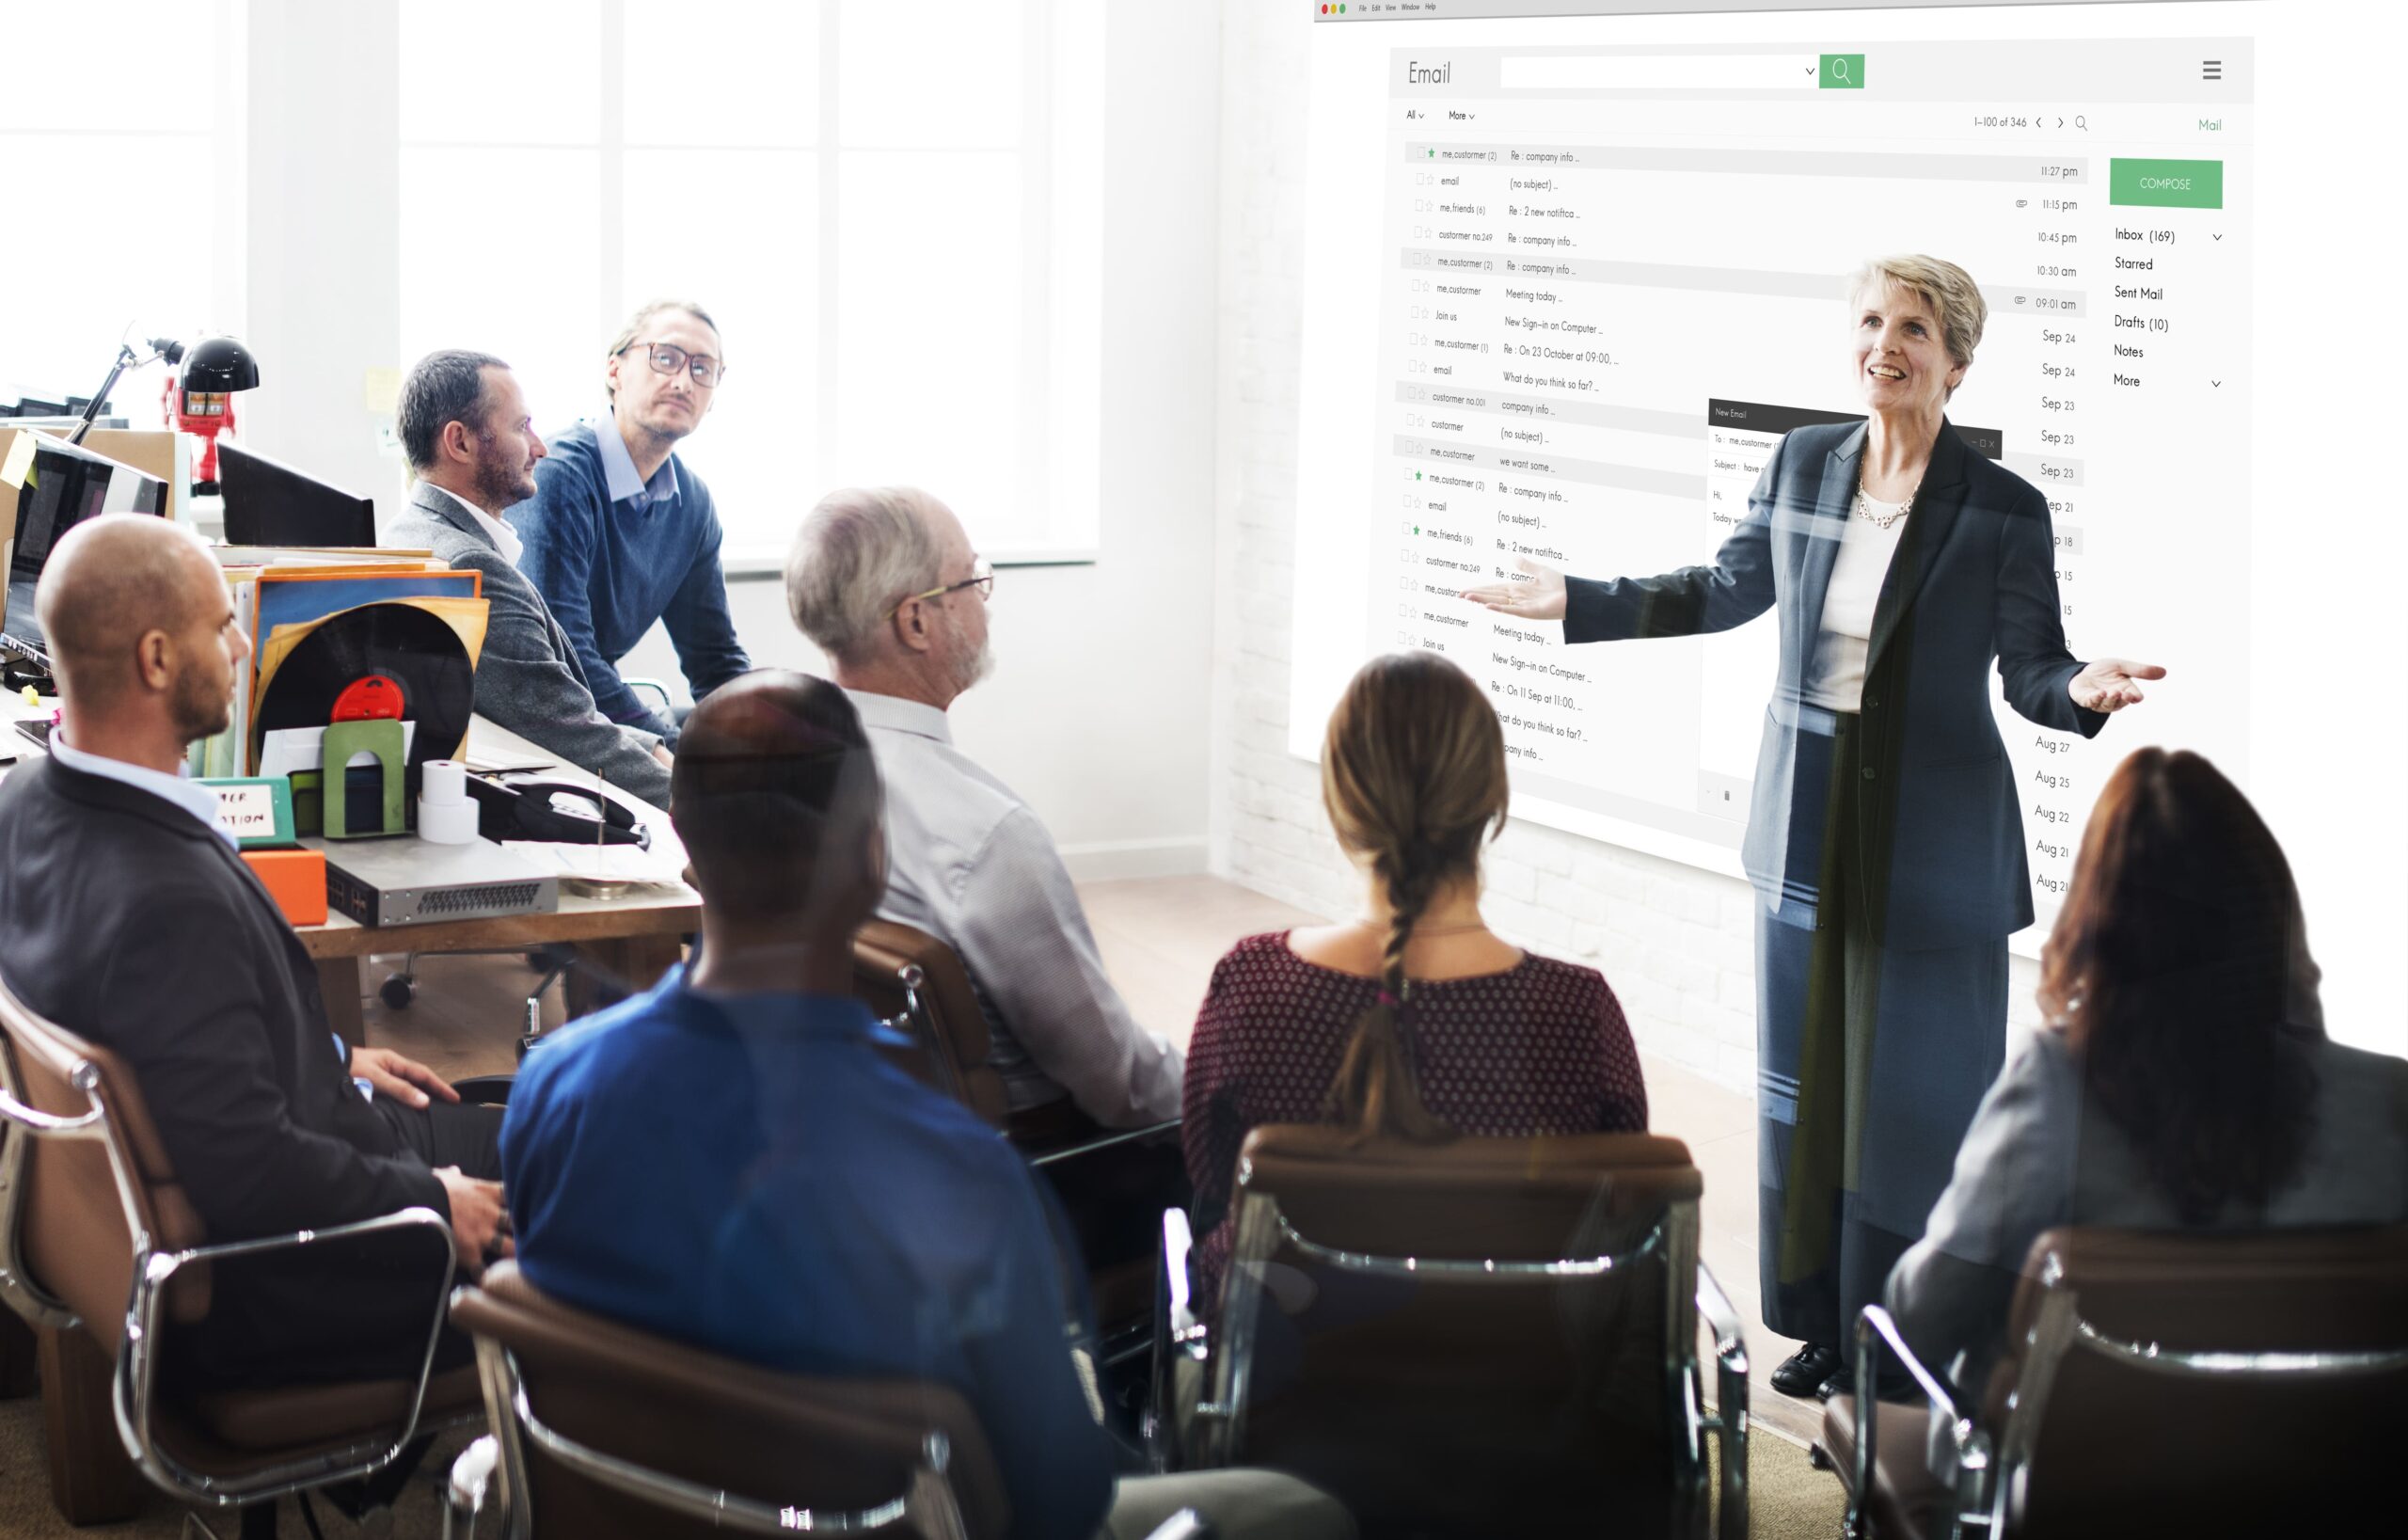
(447, 823)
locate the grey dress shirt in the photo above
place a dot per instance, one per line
(968, 863)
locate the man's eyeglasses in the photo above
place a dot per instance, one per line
(982, 577)
(668, 358)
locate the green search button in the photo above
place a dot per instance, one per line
(1841, 72)
(2165, 185)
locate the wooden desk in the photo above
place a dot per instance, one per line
(632, 941)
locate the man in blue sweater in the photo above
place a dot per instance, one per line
(730, 1161)
(620, 532)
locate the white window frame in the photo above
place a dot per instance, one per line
(1058, 518)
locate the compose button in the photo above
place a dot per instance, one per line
(2165, 185)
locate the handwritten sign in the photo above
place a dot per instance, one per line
(256, 810)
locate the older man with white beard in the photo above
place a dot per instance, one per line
(885, 581)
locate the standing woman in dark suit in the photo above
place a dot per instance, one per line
(1884, 837)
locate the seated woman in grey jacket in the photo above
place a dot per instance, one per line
(2184, 1081)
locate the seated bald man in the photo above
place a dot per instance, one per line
(730, 1159)
(127, 918)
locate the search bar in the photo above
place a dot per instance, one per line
(1681, 71)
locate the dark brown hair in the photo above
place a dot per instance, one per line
(2174, 970)
(1413, 773)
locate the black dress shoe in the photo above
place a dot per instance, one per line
(1803, 1372)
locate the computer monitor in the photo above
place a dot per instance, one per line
(65, 486)
(268, 503)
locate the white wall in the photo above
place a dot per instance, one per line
(320, 269)
(1673, 941)
(1097, 712)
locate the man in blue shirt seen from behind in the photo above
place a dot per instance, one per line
(620, 532)
(729, 1161)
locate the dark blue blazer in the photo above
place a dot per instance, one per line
(1973, 583)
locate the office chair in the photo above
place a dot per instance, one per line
(101, 1246)
(1489, 1336)
(2155, 1382)
(602, 1432)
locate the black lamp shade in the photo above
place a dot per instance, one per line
(220, 363)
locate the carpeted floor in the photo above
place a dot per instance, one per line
(1789, 1499)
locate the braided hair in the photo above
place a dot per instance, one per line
(1413, 774)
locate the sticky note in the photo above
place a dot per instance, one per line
(380, 391)
(19, 458)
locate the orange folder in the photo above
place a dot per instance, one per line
(296, 879)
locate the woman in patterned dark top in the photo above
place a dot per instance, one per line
(1415, 1021)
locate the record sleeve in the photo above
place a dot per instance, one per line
(418, 652)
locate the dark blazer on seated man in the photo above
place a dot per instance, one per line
(528, 676)
(128, 920)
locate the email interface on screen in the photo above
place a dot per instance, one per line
(1609, 278)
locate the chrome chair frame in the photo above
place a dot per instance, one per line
(1207, 1433)
(914, 1021)
(1987, 1488)
(134, 1385)
(927, 1506)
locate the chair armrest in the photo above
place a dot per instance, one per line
(1109, 1140)
(137, 1366)
(658, 689)
(489, 1090)
(1186, 1524)
(1730, 1419)
(1178, 1245)
(464, 1491)
(1874, 1332)
(1179, 1334)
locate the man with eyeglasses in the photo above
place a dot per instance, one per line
(620, 532)
(885, 581)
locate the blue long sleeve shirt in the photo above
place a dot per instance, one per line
(746, 1173)
(613, 553)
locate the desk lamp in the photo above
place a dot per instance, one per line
(201, 403)
(161, 347)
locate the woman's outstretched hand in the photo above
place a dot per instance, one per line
(2111, 684)
(1537, 594)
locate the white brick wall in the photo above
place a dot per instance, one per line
(1673, 941)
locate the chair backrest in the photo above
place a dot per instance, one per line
(656, 1409)
(941, 1008)
(2218, 1383)
(74, 1208)
(1485, 1335)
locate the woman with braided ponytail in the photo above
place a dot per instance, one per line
(1415, 1021)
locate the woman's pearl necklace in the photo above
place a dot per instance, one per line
(1881, 521)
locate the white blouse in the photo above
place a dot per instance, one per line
(1836, 682)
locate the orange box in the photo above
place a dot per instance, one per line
(296, 879)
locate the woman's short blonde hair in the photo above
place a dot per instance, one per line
(1955, 298)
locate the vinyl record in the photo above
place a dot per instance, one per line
(400, 643)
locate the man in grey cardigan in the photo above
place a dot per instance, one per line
(472, 448)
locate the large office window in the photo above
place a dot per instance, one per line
(112, 191)
(888, 209)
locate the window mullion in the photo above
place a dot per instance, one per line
(831, 269)
(611, 174)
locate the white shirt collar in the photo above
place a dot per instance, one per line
(619, 479)
(895, 714)
(505, 538)
(194, 798)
